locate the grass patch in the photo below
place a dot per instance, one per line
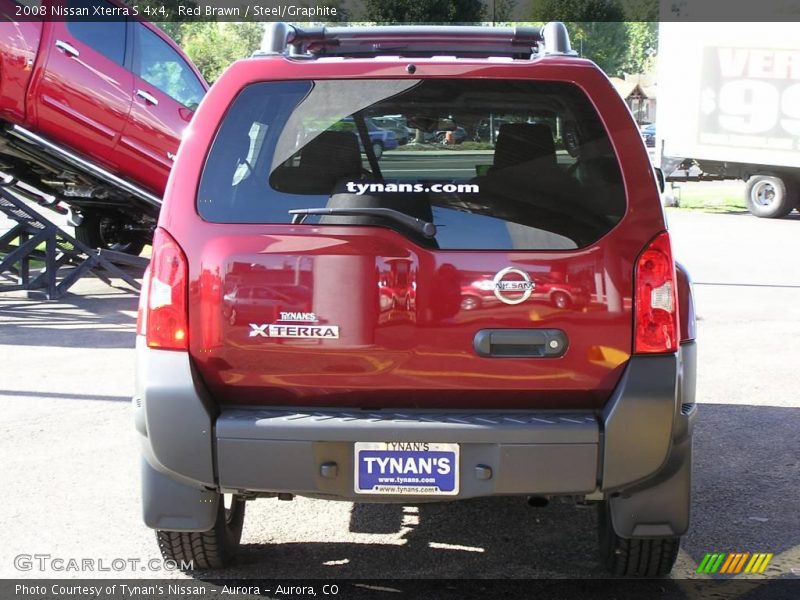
(33, 263)
(716, 197)
(40, 247)
(467, 145)
(36, 258)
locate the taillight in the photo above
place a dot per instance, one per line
(141, 311)
(165, 318)
(656, 302)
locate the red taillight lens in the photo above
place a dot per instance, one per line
(656, 302)
(165, 318)
(141, 312)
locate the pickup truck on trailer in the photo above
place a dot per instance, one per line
(729, 103)
(93, 113)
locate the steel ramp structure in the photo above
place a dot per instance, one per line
(64, 260)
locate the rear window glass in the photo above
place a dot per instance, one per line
(492, 164)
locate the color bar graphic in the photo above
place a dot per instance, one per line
(732, 563)
(759, 562)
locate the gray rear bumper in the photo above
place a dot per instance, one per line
(638, 442)
(500, 453)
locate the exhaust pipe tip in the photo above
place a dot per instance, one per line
(538, 501)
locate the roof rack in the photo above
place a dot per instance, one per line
(416, 41)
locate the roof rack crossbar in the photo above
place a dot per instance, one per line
(417, 40)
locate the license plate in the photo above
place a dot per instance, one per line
(406, 468)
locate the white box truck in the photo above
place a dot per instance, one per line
(729, 108)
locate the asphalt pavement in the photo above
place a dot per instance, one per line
(70, 460)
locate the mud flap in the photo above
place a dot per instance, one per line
(661, 509)
(170, 505)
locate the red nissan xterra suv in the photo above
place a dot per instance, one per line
(303, 329)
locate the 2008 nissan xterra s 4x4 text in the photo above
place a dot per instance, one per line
(305, 328)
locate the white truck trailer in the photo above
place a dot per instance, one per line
(729, 108)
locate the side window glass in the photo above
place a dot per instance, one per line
(107, 38)
(159, 65)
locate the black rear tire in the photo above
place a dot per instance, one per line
(88, 232)
(214, 549)
(769, 197)
(102, 231)
(644, 557)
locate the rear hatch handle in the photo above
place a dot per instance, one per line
(520, 343)
(418, 225)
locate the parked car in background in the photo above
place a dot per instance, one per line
(483, 127)
(479, 292)
(560, 294)
(649, 135)
(459, 135)
(380, 138)
(94, 113)
(246, 303)
(396, 126)
(402, 123)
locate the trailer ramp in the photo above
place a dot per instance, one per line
(24, 265)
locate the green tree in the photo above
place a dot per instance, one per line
(642, 47)
(174, 27)
(582, 11)
(501, 11)
(606, 43)
(640, 10)
(213, 46)
(596, 27)
(249, 36)
(424, 11)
